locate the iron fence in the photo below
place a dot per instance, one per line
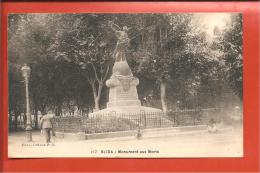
(19, 124)
(123, 122)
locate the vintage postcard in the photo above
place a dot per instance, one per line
(140, 85)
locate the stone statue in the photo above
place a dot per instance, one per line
(122, 41)
(123, 96)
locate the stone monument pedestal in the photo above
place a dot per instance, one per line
(123, 97)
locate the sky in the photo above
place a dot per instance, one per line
(208, 21)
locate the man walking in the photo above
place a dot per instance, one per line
(46, 125)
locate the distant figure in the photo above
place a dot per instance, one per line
(24, 119)
(212, 126)
(236, 114)
(236, 118)
(46, 125)
(139, 133)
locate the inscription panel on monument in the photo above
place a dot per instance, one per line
(126, 95)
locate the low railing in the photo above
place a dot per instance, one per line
(123, 122)
(20, 123)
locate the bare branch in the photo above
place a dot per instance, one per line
(100, 86)
(94, 90)
(106, 74)
(95, 72)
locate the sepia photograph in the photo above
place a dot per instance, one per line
(125, 85)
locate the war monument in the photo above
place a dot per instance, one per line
(123, 96)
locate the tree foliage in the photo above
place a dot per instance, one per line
(232, 47)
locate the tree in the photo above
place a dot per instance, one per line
(16, 95)
(71, 58)
(232, 48)
(90, 49)
(157, 53)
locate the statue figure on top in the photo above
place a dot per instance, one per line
(122, 41)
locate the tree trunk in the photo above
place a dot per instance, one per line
(163, 96)
(97, 88)
(36, 117)
(97, 95)
(10, 121)
(160, 37)
(42, 108)
(15, 119)
(96, 103)
(24, 119)
(59, 109)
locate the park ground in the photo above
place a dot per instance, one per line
(227, 142)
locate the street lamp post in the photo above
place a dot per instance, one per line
(26, 74)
